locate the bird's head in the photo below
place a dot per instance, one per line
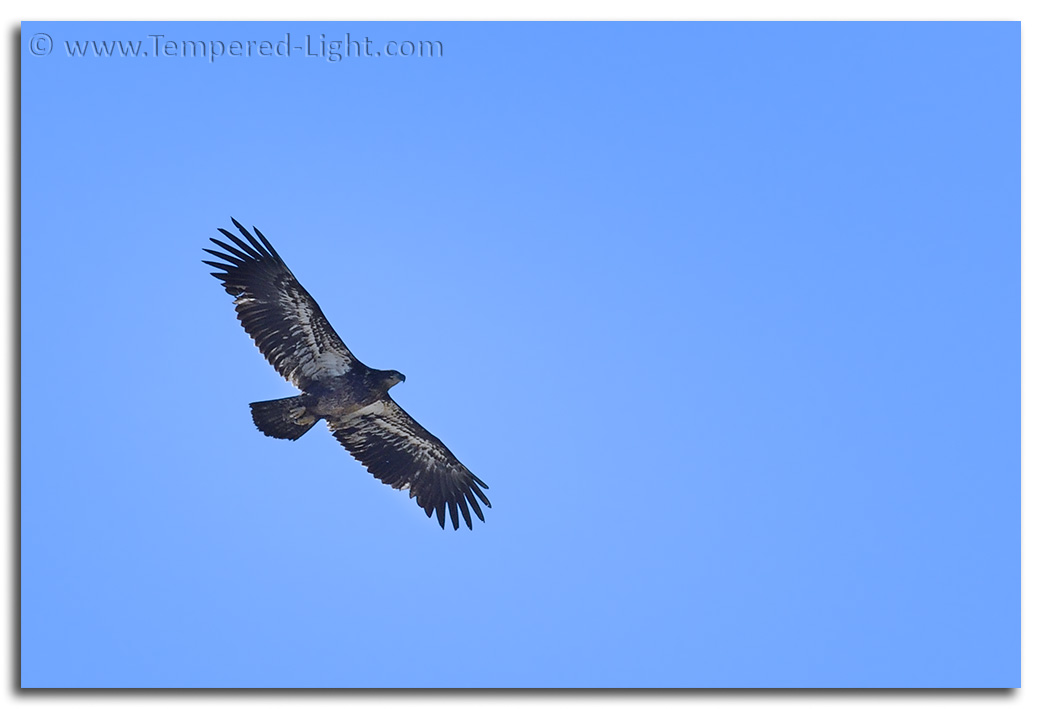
(392, 377)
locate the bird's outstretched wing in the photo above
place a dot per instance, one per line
(403, 454)
(282, 318)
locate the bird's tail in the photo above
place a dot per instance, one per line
(282, 418)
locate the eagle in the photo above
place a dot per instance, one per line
(291, 332)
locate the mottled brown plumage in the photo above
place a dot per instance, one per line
(291, 332)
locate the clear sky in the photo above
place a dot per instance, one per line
(726, 315)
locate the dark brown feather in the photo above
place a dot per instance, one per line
(400, 452)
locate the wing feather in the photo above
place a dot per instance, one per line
(276, 311)
(403, 454)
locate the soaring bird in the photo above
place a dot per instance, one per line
(291, 332)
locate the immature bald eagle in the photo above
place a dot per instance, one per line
(294, 336)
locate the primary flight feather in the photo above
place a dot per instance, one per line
(294, 336)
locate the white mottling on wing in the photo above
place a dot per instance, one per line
(333, 363)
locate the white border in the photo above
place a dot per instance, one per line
(1028, 13)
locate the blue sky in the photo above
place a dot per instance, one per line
(726, 315)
